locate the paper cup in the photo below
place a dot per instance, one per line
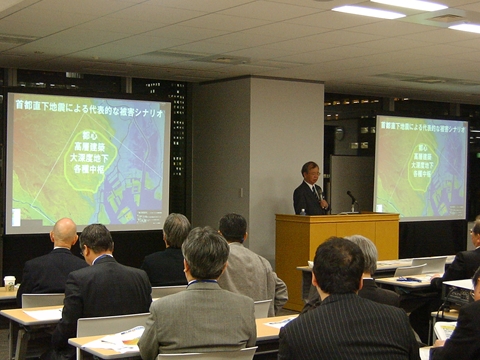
(9, 283)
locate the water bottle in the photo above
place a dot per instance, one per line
(303, 212)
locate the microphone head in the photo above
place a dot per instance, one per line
(349, 193)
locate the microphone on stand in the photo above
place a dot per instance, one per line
(349, 193)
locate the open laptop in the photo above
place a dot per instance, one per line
(433, 265)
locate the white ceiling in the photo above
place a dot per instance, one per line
(202, 40)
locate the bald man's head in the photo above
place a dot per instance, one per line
(64, 233)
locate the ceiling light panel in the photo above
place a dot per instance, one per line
(466, 27)
(413, 4)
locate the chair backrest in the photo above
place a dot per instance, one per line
(261, 308)
(37, 300)
(161, 291)
(434, 265)
(243, 354)
(105, 325)
(409, 270)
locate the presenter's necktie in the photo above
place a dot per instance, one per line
(314, 192)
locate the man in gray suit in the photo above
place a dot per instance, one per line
(203, 318)
(344, 325)
(248, 273)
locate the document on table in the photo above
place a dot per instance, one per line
(281, 323)
(122, 342)
(444, 329)
(55, 314)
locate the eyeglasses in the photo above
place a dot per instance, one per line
(81, 250)
(471, 231)
(472, 294)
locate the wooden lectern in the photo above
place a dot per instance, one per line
(297, 238)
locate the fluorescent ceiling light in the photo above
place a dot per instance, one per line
(358, 10)
(413, 4)
(466, 27)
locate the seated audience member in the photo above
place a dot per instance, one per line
(344, 325)
(370, 290)
(48, 273)
(203, 318)
(465, 263)
(104, 289)
(463, 344)
(247, 273)
(165, 268)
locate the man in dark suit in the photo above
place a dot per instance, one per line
(309, 196)
(106, 288)
(48, 273)
(370, 290)
(463, 344)
(165, 268)
(465, 263)
(346, 326)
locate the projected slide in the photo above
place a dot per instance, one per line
(420, 168)
(90, 159)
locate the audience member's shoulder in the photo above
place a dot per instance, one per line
(155, 255)
(237, 297)
(472, 307)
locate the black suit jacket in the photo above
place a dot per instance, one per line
(165, 268)
(48, 273)
(104, 289)
(463, 267)
(464, 343)
(304, 198)
(346, 326)
(369, 291)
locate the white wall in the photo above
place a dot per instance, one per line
(286, 131)
(253, 134)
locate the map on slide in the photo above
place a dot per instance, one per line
(101, 159)
(421, 167)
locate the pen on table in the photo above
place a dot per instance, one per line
(401, 278)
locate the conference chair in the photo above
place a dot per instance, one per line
(105, 325)
(242, 354)
(261, 308)
(33, 343)
(161, 291)
(409, 270)
(37, 300)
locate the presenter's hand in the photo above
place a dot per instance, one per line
(323, 204)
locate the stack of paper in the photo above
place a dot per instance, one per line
(125, 341)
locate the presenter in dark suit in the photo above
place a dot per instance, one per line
(309, 196)
(165, 268)
(465, 263)
(464, 342)
(346, 326)
(48, 273)
(106, 288)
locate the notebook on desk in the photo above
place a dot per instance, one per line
(433, 265)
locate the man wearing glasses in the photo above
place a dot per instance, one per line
(309, 196)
